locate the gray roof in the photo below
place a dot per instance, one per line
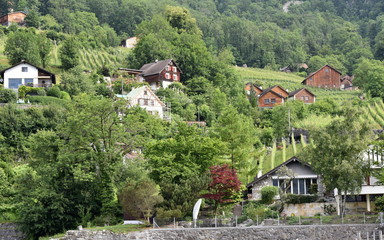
(156, 67)
(291, 94)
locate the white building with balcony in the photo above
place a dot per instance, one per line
(27, 74)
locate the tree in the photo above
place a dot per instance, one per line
(75, 82)
(224, 185)
(33, 19)
(138, 199)
(69, 53)
(237, 131)
(22, 45)
(337, 154)
(45, 46)
(369, 76)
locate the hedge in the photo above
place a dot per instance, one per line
(294, 198)
(47, 100)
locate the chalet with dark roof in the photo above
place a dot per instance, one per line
(303, 94)
(160, 73)
(25, 73)
(249, 87)
(13, 18)
(270, 98)
(300, 183)
(325, 77)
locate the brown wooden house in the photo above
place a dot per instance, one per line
(252, 87)
(160, 73)
(325, 77)
(278, 89)
(15, 17)
(270, 98)
(303, 94)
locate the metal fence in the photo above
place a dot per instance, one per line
(266, 221)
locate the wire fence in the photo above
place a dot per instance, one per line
(261, 220)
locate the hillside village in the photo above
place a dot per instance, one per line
(108, 119)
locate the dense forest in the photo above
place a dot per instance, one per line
(66, 160)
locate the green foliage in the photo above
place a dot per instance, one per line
(22, 45)
(295, 199)
(47, 100)
(268, 193)
(75, 82)
(369, 77)
(54, 92)
(138, 199)
(7, 96)
(69, 53)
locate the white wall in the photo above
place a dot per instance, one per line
(16, 72)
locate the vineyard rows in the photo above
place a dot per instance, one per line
(95, 59)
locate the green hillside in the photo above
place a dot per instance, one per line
(290, 81)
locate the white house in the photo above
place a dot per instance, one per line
(129, 42)
(25, 73)
(145, 98)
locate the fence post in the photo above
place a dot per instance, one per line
(342, 218)
(215, 222)
(380, 235)
(358, 235)
(174, 222)
(321, 220)
(364, 217)
(236, 220)
(367, 235)
(257, 220)
(154, 222)
(299, 220)
(278, 219)
(374, 235)
(381, 217)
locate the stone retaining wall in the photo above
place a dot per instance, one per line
(323, 232)
(8, 231)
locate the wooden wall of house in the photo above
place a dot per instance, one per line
(325, 78)
(161, 76)
(269, 95)
(301, 96)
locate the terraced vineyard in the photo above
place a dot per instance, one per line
(94, 59)
(374, 115)
(290, 81)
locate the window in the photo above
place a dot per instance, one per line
(145, 92)
(273, 100)
(310, 79)
(145, 102)
(151, 103)
(175, 77)
(306, 98)
(174, 69)
(326, 70)
(167, 76)
(14, 83)
(141, 102)
(266, 101)
(167, 68)
(24, 69)
(28, 82)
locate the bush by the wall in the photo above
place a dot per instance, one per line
(294, 198)
(65, 95)
(7, 96)
(268, 193)
(41, 92)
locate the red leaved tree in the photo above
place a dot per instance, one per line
(224, 186)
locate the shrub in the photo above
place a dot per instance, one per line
(294, 198)
(54, 92)
(7, 96)
(46, 100)
(65, 95)
(268, 193)
(379, 204)
(41, 92)
(330, 209)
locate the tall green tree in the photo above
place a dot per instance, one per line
(69, 53)
(369, 76)
(337, 154)
(22, 45)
